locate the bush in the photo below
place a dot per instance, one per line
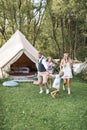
(82, 76)
(81, 53)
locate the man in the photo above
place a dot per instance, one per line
(42, 73)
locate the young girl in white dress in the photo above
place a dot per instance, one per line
(56, 84)
(66, 67)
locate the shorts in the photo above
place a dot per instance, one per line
(42, 77)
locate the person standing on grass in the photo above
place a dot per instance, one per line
(66, 67)
(42, 73)
(50, 65)
(56, 84)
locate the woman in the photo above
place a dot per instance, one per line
(66, 67)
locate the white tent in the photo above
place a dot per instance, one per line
(17, 46)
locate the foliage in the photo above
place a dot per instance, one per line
(83, 76)
(52, 26)
(23, 108)
(81, 53)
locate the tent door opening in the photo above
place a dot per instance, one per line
(23, 66)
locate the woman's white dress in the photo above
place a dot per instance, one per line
(67, 71)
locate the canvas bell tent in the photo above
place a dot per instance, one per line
(17, 55)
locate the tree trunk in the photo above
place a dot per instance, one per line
(70, 40)
(62, 30)
(75, 44)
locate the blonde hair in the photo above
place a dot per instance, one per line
(67, 54)
(49, 58)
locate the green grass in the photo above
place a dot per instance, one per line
(23, 108)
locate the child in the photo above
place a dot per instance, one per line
(56, 84)
(50, 64)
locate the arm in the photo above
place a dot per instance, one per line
(71, 62)
(61, 64)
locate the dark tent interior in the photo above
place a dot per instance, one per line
(23, 66)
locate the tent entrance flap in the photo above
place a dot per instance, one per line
(23, 65)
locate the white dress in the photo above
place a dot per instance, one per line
(56, 83)
(67, 71)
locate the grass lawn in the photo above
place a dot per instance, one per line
(23, 108)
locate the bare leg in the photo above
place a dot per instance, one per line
(64, 83)
(68, 82)
(40, 87)
(47, 88)
(45, 82)
(40, 84)
(50, 80)
(53, 94)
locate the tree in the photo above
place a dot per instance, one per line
(18, 14)
(53, 27)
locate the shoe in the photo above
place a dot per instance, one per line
(63, 87)
(69, 91)
(47, 91)
(41, 91)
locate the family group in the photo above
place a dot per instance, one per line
(45, 69)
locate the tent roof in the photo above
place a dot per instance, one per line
(16, 44)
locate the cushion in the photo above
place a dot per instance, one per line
(10, 83)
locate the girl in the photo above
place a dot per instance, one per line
(56, 84)
(66, 67)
